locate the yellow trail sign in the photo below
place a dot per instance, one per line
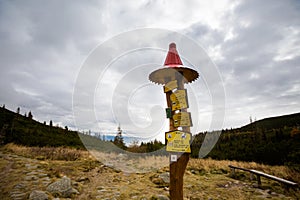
(182, 119)
(178, 141)
(179, 100)
(170, 86)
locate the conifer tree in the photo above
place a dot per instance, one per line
(119, 140)
(30, 115)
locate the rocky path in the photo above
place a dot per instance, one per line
(23, 178)
(26, 178)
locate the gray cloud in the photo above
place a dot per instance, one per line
(255, 45)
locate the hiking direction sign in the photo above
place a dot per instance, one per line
(178, 141)
(170, 86)
(182, 119)
(179, 100)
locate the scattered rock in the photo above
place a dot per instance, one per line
(188, 173)
(255, 185)
(162, 180)
(18, 195)
(274, 194)
(19, 186)
(62, 188)
(83, 179)
(165, 177)
(42, 175)
(160, 197)
(30, 178)
(31, 173)
(194, 171)
(109, 165)
(30, 166)
(38, 195)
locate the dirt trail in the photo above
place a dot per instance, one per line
(94, 180)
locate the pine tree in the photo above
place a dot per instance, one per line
(30, 115)
(119, 140)
(51, 123)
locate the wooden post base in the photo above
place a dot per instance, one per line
(177, 170)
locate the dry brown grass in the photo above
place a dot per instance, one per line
(210, 183)
(209, 165)
(144, 164)
(126, 163)
(48, 153)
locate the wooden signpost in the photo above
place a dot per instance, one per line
(173, 76)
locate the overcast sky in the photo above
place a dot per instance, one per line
(45, 45)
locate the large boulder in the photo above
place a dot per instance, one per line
(62, 188)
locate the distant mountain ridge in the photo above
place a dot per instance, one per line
(277, 122)
(274, 141)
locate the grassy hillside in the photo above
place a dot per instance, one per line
(23, 130)
(279, 122)
(274, 141)
(19, 129)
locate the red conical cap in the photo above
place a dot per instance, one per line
(172, 59)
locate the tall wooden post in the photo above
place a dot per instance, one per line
(173, 77)
(177, 169)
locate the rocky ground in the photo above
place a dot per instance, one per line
(27, 178)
